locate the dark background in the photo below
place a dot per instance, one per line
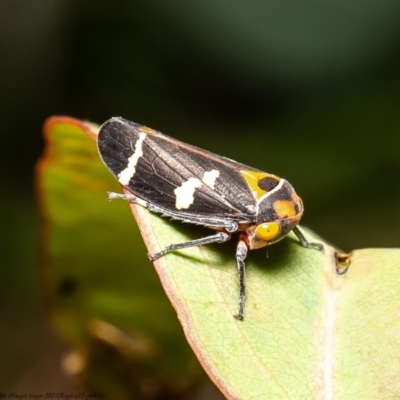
(307, 90)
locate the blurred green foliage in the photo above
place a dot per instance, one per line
(309, 91)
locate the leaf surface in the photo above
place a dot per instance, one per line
(308, 332)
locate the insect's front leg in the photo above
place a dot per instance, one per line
(241, 253)
(304, 242)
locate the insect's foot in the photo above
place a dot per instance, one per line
(113, 195)
(155, 256)
(317, 246)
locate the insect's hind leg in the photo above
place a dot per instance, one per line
(219, 237)
(129, 197)
(133, 199)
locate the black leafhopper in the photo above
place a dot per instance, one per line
(186, 183)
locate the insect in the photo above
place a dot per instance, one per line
(192, 185)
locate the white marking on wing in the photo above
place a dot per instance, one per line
(184, 193)
(127, 174)
(210, 177)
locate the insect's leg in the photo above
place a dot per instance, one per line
(241, 253)
(304, 242)
(219, 237)
(129, 197)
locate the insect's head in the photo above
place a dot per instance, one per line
(279, 212)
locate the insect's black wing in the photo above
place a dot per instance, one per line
(183, 181)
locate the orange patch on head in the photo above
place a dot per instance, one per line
(284, 208)
(253, 178)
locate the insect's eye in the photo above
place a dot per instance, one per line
(267, 231)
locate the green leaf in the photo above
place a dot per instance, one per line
(100, 289)
(308, 332)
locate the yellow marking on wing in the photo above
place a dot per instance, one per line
(252, 178)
